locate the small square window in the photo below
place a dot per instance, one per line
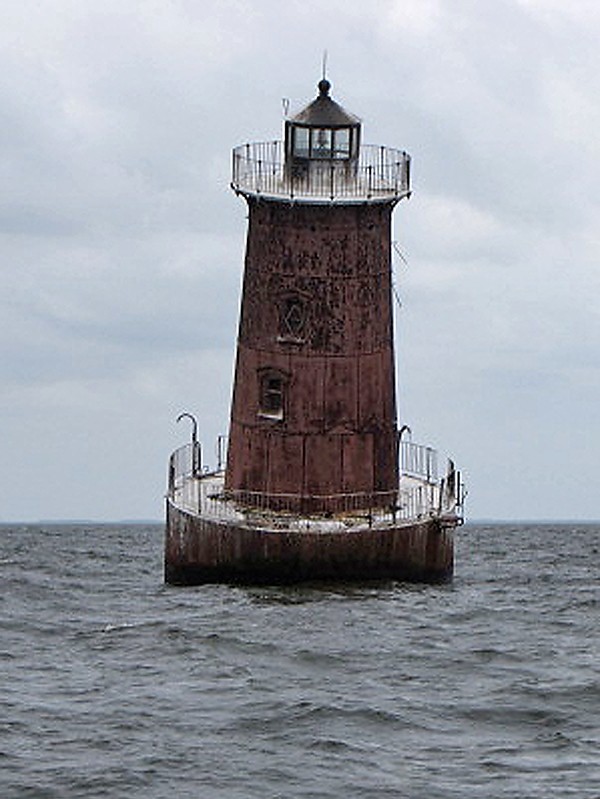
(271, 399)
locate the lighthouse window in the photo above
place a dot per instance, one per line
(321, 143)
(293, 317)
(271, 395)
(302, 142)
(342, 143)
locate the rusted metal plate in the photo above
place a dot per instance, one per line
(357, 463)
(305, 408)
(323, 465)
(199, 551)
(247, 465)
(331, 265)
(285, 463)
(376, 394)
(341, 394)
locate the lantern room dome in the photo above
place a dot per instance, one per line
(325, 112)
(322, 131)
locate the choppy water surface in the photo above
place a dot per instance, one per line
(114, 685)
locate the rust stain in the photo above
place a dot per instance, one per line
(199, 550)
(337, 431)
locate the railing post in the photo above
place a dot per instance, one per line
(248, 170)
(171, 477)
(196, 464)
(220, 452)
(196, 458)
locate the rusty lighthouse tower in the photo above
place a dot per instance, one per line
(314, 411)
(317, 484)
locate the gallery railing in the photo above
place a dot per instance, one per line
(380, 173)
(415, 499)
(184, 463)
(418, 461)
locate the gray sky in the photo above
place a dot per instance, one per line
(122, 245)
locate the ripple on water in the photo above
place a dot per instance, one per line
(116, 685)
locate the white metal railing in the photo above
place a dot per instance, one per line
(205, 497)
(380, 173)
(184, 463)
(418, 461)
(416, 499)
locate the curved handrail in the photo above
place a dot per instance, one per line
(379, 174)
(417, 496)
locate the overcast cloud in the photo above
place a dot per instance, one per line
(122, 245)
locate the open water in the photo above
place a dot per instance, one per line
(114, 685)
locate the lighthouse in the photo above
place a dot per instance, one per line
(317, 482)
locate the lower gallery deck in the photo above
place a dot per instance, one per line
(215, 537)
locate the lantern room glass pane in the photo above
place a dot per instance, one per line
(322, 143)
(342, 143)
(301, 142)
